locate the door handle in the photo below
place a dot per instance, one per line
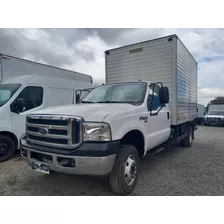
(168, 115)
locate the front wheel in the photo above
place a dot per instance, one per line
(124, 175)
(7, 148)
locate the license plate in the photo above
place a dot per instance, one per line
(40, 167)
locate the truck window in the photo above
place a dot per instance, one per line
(83, 93)
(33, 97)
(118, 93)
(128, 93)
(215, 112)
(7, 91)
(154, 97)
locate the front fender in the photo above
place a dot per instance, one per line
(5, 128)
(118, 132)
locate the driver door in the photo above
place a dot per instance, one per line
(32, 97)
(158, 125)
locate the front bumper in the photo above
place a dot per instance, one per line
(214, 121)
(89, 159)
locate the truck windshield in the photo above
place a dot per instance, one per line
(215, 112)
(83, 92)
(7, 91)
(133, 93)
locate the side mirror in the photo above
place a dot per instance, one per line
(164, 95)
(77, 97)
(18, 105)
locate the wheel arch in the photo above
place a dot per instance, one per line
(135, 137)
(12, 136)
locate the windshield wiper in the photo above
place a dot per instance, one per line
(86, 102)
(111, 101)
(107, 101)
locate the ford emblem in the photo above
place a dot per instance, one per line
(43, 131)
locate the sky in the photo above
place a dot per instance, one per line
(83, 50)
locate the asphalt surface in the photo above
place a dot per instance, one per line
(198, 170)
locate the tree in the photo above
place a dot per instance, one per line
(217, 100)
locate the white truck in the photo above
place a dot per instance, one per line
(215, 115)
(150, 100)
(27, 86)
(200, 113)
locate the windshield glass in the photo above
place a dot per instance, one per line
(7, 91)
(84, 92)
(117, 93)
(212, 112)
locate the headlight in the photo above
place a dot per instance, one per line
(96, 132)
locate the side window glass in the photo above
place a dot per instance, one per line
(153, 98)
(32, 97)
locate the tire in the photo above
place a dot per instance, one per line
(7, 147)
(120, 178)
(187, 142)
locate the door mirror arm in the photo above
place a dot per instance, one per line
(156, 113)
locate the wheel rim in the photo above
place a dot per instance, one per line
(130, 170)
(3, 148)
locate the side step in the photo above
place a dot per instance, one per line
(156, 150)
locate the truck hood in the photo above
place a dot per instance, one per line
(90, 112)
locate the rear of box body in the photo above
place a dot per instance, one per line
(164, 60)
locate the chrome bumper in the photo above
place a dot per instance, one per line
(95, 166)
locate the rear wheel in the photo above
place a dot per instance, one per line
(187, 142)
(7, 148)
(124, 175)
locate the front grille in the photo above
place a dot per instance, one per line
(213, 119)
(48, 140)
(48, 121)
(54, 131)
(50, 131)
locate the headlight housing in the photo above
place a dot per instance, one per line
(96, 131)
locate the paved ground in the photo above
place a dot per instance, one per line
(177, 171)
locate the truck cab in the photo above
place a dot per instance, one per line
(148, 101)
(104, 135)
(214, 117)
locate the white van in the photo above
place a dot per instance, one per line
(22, 94)
(25, 94)
(26, 86)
